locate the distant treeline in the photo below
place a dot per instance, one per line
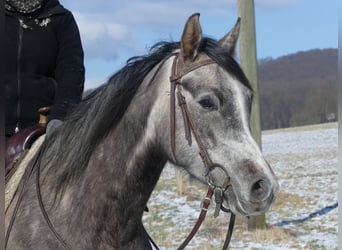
(298, 89)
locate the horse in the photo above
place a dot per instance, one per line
(95, 174)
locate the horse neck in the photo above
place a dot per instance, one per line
(129, 167)
(121, 174)
(111, 195)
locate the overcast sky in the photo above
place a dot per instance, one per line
(113, 31)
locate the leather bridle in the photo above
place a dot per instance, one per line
(177, 72)
(189, 126)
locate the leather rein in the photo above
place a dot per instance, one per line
(176, 89)
(25, 180)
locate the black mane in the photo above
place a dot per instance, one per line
(103, 108)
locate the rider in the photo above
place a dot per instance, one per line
(44, 63)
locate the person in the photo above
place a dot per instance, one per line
(44, 63)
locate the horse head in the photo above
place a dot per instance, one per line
(215, 121)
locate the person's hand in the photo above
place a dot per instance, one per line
(52, 126)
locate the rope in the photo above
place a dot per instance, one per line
(310, 216)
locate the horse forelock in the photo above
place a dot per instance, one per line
(224, 59)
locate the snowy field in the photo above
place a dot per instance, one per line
(305, 162)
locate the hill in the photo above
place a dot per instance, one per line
(298, 89)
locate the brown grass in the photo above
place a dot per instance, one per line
(293, 200)
(275, 235)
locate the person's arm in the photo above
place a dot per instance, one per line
(69, 73)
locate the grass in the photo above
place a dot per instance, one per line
(288, 199)
(276, 235)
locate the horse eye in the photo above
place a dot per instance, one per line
(207, 104)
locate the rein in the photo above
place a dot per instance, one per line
(25, 180)
(189, 126)
(46, 217)
(20, 197)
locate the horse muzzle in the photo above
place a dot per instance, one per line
(257, 200)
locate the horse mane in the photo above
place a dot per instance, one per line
(68, 151)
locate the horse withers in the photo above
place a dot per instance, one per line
(185, 102)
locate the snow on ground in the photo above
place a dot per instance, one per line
(305, 162)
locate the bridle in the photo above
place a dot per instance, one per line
(177, 72)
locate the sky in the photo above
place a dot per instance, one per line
(112, 31)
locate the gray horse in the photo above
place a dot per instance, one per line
(99, 169)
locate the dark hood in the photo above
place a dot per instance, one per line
(33, 8)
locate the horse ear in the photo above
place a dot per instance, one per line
(229, 41)
(191, 37)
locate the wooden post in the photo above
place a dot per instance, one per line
(248, 60)
(339, 115)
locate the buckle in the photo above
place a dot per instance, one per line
(205, 203)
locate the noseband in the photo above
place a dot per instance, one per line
(177, 72)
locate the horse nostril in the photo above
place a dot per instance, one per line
(259, 190)
(258, 187)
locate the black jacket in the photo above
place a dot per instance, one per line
(43, 65)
